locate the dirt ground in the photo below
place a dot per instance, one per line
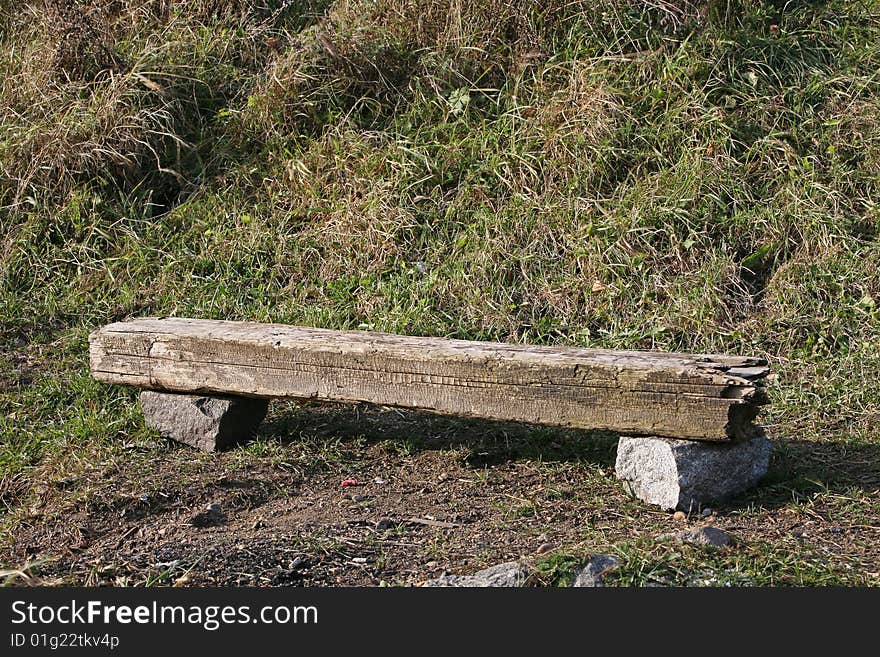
(433, 496)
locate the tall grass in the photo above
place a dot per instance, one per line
(696, 176)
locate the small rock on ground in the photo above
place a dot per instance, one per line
(212, 515)
(509, 574)
(591, 575)
(384, 524)
(705, 536)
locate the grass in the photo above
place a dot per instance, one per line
(695, 175)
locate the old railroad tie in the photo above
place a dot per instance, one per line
(688, 396)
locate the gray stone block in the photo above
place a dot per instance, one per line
(684, 474)
(207, 423)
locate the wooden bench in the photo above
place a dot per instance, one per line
(224, 372)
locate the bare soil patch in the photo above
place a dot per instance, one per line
(433, 496)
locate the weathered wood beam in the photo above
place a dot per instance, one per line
(688, 396)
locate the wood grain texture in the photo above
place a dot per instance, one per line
(689, 396)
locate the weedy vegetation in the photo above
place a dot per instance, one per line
(687, 175)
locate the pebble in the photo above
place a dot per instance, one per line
(705, 536)
(212, 515)
(384, 524)
(591, 575)
(358, 498)
(443, 476)
(679, 516)
(545, 547)
(707, 512)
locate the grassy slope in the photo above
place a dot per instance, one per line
(613, 173)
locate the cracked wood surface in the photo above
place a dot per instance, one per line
(689, 396)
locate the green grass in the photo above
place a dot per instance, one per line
(696, 176)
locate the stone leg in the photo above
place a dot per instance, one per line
(208, 423)
(685, 474)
